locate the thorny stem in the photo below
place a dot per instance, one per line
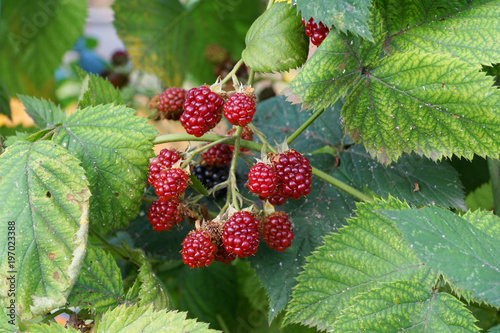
(304, 126)
(258, 147)
(202, 148)
(232, 72)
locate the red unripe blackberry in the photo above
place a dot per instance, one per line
(241, 234)
(223, 256)
(239, 109)
(202, 111)
(277, 231)
(165, 159)
(171, 102)
(197, 250)
(219, 155)
(262, 179)
(119, 58)
(118, 80)
(317, 32)
(170, 184)
(294, 172)
(246, 134)
(164, 215)
(277, 197)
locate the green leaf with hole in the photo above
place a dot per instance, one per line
(45, 196)
(44, 112)
(99, 285)
(276, 41)
(351, 261)
(430, 104)
(347, 15)
(468, 257)
(33, 42)
(147, 320)
(97, 90)
(114, 147)
(468, 30)
(403, 305)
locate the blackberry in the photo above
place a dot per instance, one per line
(119, 58)
(317, 32)
(164, 215)
(164, 160)
(211, 175)
(294, 172)
(218, 155)
(277, 231)
(239, 109)
(241, 234)
(171, 102)
(170, 184)
(223, 256)
(202, 111)
(197, 250)
(262, 179)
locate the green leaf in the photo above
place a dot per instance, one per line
(404, 305)
(276, 41)
(431, 104)
(33, 42)
(5, 326)
(348, 15)
(4, 100)
(97, 90)
(356, 259)
(321, 212)
(197, 185)
(148, 288)
(44, 191)
(114, 147)
(480, 198)
(487, 222)
(99, 285)
(335, 67)
(464, 29)
(146, 320)
(44, 112)
(417, 180)
(52, 328)
(466, 256)
(495, 329)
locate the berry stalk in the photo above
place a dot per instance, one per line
(202, 148)
(305, 125)
(232, 170)
(258, 147)
(232, 72)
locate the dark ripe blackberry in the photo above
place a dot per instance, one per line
(210, 176)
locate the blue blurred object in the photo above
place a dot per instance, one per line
(91, 63)
(80, 44)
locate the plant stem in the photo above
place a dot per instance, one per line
(232, 72)
(304, 126)
(258, 147)
(112, 248)
(232, 171)
(251, 77)
(269, 4)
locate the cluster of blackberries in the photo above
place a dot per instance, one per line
(240, 237)
(287, 176)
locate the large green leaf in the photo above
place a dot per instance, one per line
(480, 198)
(465, 29)
(99, 285)
(431, 104)
(356, 259)
(276, 41)
(8, 323)
(348, 15)
(404, 305)
(468, 257)
(167, 39)
(335, 67)
(44, 192)
(44, 112)
(97, 90)
(114, 147)
(32, 40)
(321, 212)
(486, 221)
(146, 320)
(417, 180)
